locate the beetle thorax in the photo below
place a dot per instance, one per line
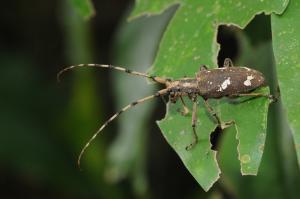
(183, 87)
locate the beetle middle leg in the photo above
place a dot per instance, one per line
(194, 120)
(185, 110)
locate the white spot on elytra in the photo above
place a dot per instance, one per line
(247, 82)
(225, 84)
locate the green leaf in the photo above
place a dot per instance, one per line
(200, 160)
(278, 171)
(250, 117)
(151, 7)
(286, 45)
(190, 40)
(190, 37)
(84, 8)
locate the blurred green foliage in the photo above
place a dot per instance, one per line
(84, 8)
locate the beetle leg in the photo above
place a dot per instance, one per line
(271, 97)
(214, 114)
(163, 99)
(173, 97)
(203, 67)
(185, 110)
(194, 120)
(227, 63)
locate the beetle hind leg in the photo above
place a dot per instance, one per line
(221, 124)
(270, 97)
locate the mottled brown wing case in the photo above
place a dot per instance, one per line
(216, 83)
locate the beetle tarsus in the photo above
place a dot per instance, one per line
(227, 63)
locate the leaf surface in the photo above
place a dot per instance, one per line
(286, 46)
(189, 41)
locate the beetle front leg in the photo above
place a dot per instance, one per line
(173, 97)
(163, 99)
(185, 110)
(194, 120)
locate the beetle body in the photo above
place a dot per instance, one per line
(228, 81)
(217, 83)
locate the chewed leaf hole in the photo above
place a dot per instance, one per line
(227, 38)
(215, 137)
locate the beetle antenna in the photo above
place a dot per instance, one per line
(158, 94)
(135, 73)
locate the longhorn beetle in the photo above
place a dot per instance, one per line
(227, 81)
